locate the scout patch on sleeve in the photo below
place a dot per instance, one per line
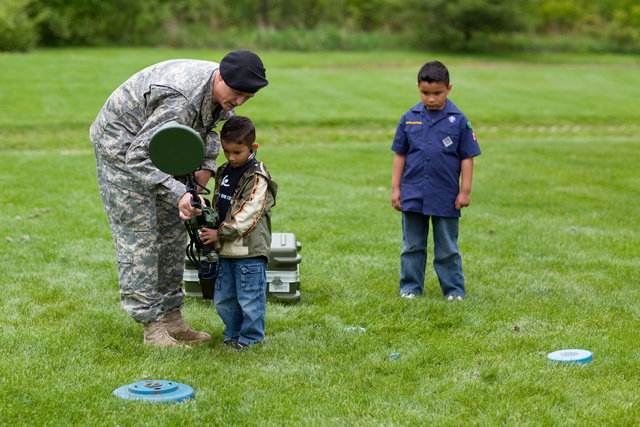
(447, 141)
(469, 125)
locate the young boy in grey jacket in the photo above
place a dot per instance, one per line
(243, 197)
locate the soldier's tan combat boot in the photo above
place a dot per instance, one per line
(179, 329)
(156, 334)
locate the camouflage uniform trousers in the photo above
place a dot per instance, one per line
(150, 240)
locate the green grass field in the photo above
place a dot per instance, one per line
(550, 246)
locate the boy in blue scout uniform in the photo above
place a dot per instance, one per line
(434, 148)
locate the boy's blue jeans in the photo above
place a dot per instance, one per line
(240, 298)
(446, 259)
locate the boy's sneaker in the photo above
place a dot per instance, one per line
(408, 295)
(230, 343)
(240, 346)
(454, 297)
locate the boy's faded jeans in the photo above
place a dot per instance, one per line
(446, 260)
(240, 298)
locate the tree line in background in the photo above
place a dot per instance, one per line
(454, 25)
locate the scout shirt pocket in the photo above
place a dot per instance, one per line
(448, 139)
(413, 130)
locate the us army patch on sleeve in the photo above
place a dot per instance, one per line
(447, 141)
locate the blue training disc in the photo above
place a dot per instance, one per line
(355, 328)
(571, 356)
(155, 391)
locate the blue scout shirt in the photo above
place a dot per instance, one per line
(435, 149)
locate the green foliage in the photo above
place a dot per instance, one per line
(616, 21)
(455, 24)
(94, 22)
(560, 15)
(17, 32)
(624, 31)
(328, 38)
(314, 25)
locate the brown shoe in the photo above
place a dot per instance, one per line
(155, 333)
(179, 329)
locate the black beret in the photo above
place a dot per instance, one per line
(243, 71)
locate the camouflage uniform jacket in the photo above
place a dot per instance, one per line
(246, 230)
(178, 90)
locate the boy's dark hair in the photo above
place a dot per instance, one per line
(239, 130)
(434, 72)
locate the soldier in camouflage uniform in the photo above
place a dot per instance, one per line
(146, 206)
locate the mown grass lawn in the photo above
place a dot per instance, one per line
(550, 247)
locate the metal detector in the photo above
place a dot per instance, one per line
(179, 151)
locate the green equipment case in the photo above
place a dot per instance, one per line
(283, 270)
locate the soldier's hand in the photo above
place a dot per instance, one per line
(185, 208)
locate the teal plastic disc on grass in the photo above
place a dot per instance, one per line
(355, 329)
(571, 356)
(155, 391)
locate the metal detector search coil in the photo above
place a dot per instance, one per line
(176, 149)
